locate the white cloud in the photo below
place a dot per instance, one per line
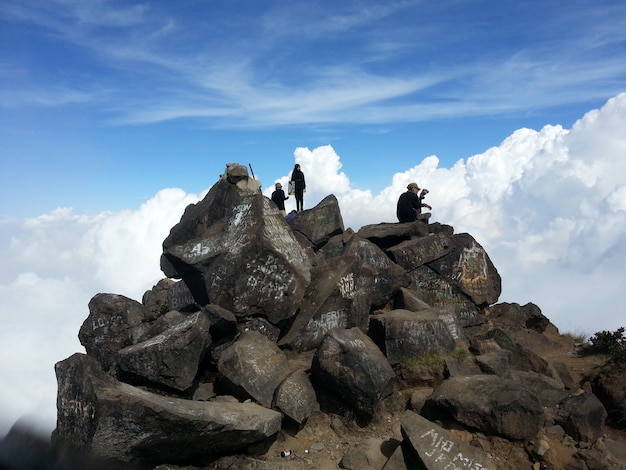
(59, 262)
(547, 205)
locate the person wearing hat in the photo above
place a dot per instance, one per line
(410, 203)
(279, 198)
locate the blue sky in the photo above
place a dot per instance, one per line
(115, 115)
(106, 102)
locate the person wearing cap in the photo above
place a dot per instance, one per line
(279, 198)
(410, 203)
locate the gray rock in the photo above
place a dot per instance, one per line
(117, 421)
(565, 376)
(349, 365)
(261, 325)
(403, 458)
(180, 297)
(385, 234)
(582, 417)
(223, 322)
(418, 399)
(170, 358)
(436, 291)
(416, 252)
(157, 299)
(402, 335)
(408, 300)
(609, 385)
(253, 367)
(522, 358)
(491, 405)
(439, 449)
(163, 323)
(495, 362)
(387, 276)
(468, 267)
(296, 398)
(114, 322)
(319, 223)
(234, 249)
(335, 300)
(550, 391)
(516, 316)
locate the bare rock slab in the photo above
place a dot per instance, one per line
(491, 404)
(170, 358)
(402, 334)
(349, 364)
(114, 420)
(253, 367)
(439, 449)
(114, 322)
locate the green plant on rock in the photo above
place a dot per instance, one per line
(460, 353)
(613, 344)
(433, 362)
(163, 310)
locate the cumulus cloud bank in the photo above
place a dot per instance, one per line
(549, 206)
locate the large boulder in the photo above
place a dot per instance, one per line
(403, 335)
(516, 316)
(253, 367)
(349, 365)
(296, 397)
(492, 405)
(387, 276)
(582, 417)
(319, 223)
(439, 449)
(609, 385)
(435, 290)
(386, 235)
(468, 267)
(110, 419)
(234, 249)
(170, 358)
(416, 252)
(114, 322)
(522, 357)
(338, 298)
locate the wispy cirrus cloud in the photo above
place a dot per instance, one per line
(302, 65)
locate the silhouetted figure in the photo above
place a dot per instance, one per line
(279, 198)
(410, 203)
(299, 186)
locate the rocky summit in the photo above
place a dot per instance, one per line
(289, 343)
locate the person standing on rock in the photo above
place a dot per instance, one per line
(279, 198)
(410, 203)
(299, 186)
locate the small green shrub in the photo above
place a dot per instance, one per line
(163, 310)
(434, 362)
(460, 353)
(613, 344)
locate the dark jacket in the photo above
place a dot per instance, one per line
(298, 177)
(279, 198)
(409, 206)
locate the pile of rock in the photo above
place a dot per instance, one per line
(199, 369)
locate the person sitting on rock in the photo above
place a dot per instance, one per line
(410, 203)
(279, 198)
